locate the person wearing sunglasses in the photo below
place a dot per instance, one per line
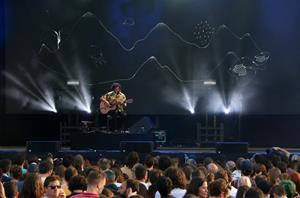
(52, 186)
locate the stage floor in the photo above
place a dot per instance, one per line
(181, 153)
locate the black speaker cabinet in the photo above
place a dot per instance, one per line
(144, 125)
(43, 146)
(232, 147)
(138, 146)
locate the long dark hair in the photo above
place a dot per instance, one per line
(193, 187)
(32, 187)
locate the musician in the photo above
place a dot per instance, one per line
(116, 101)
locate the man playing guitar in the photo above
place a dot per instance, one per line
(113, 103)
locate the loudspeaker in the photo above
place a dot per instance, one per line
(43, 146)
(144, 125)
(138, 146)
(232, 147)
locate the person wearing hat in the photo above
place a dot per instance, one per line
(114, 103)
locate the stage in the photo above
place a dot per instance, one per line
(183, 153)
(260, 131)
(209, 85)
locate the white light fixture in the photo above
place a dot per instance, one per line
(209, 82)
(73, 82)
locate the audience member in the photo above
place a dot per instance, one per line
(77, 184)
(45, 169)
(52, 187)
(129, 188)
(95, 185)
(179, 181)
(111, 181)
(241, 191)
(5, 165)
(254, 192)
(141, 176)
(198, 187)
(32, 187)
(164, 187)
(131, 159)
(278, 191)
(11, 189)
(218, 189)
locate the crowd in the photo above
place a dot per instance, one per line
(271, 174)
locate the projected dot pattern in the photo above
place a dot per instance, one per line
(97, 56)
(203, 33)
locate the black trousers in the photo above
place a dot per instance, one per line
(117, 120)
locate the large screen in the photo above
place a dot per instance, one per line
(170, 56)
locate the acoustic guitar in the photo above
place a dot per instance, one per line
(105, 108)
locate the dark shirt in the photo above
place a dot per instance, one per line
(142, 190)
(5, 178)
(112, 187)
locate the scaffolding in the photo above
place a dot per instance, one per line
(210, 132)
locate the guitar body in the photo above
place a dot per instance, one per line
(105, 108)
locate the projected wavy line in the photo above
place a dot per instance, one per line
(58, 41)
(246, 35)
(157, 26)
(221, 63)
(153, 58)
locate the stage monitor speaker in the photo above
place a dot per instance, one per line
(232, 147)
(138, 146)
(43, 146)
(144, 125)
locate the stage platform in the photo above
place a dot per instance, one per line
(181, 153)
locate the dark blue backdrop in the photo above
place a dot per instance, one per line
(99, 38)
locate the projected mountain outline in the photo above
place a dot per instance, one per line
(160, 27)
(165, 68)
(157, 26)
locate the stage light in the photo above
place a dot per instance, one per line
(48, 108)
(189, 101)
(73, 82)
(82, 104)
(36, 92)
(86, 97)
(226, 110)
(50, 103)
(209, 82)
(192, 111)
(87, 109)
(46, 103)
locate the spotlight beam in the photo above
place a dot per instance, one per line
(44, 94)
(43, 102)
(17, 82)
